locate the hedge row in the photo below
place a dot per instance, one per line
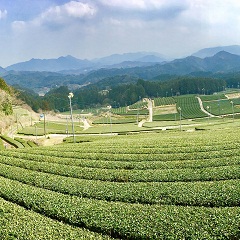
(122, 175)
(170, 148)
(128, 221)
(22, 141)
(23, 227)
(220, 153)
(12, 141)
(128, 165)
(215, 194)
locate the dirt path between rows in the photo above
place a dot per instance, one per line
(202, 108)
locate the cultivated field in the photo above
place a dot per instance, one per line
(168, 111)
(166, 185)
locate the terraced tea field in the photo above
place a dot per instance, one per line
(168, 185)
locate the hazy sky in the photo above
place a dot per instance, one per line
(97, 28)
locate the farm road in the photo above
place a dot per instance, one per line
(202, 108)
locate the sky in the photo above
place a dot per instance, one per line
(89, 29)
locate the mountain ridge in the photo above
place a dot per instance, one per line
(71, 65)
(69, 62)
(2, 70)
(53, 65)
(222, 62)
(209, 52)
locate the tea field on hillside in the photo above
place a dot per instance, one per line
(166, 185)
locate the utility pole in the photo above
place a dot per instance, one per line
(232, 110)
(180, 112)
(70, 96)
(44, 124)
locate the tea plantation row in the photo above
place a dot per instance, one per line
(170, 185)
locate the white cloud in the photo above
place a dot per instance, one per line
(145, 9)
(143, 5)
(62, 14)
(125, 4)
(3, 14)
(93, 28)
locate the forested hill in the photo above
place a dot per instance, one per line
(121, 94)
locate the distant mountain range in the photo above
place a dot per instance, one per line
(143, 57)
(209, 52)
(220, 62)
(51, 65)
(71, 64)
(149, 66)
(2, 70)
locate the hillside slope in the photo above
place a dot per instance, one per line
(12, 111)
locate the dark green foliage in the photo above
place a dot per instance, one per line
(128, 94)
(56, 99)
(184, 85)
(29, 97)
(120, 91)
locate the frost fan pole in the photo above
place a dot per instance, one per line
(70, 96)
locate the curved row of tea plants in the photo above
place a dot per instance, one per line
(170, 185)
(124, 220)
(175, 156)
(18, 157)
(122, 175)
(190, 107)
(138, 105)
(218, 193)
(17, 223)
(11, 141)
(164, 101)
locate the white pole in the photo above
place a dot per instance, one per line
(232, 110)
(70, 96)
(180, 112)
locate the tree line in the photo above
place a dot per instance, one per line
(118, 95)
